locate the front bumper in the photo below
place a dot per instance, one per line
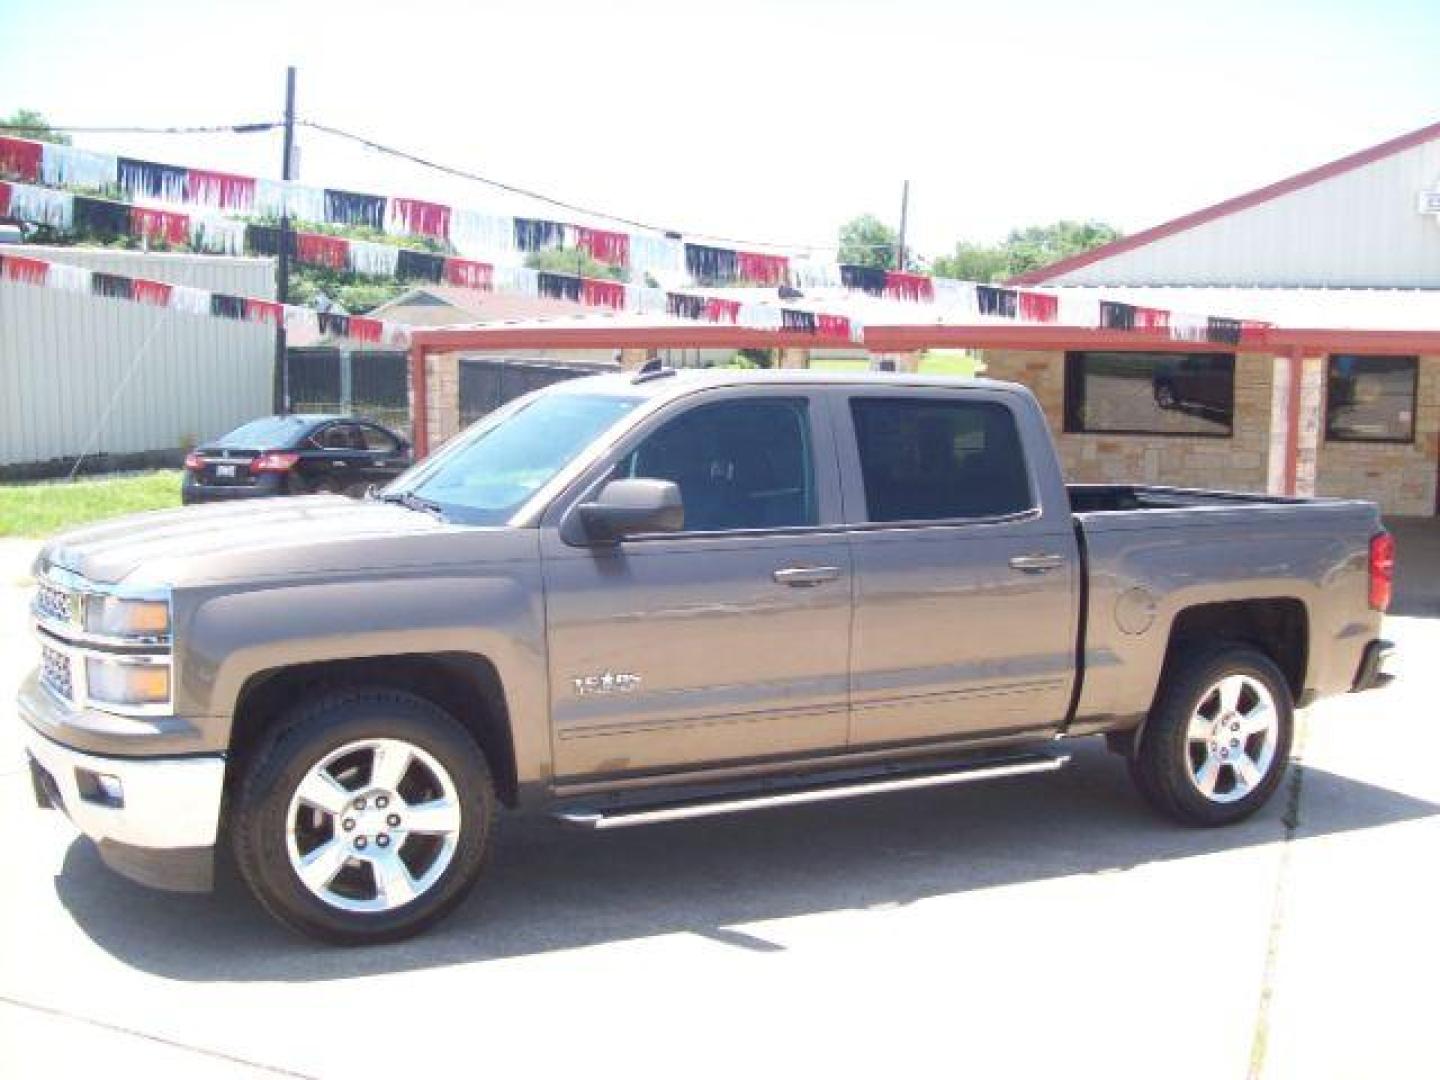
(154, 819)
(1377, 666)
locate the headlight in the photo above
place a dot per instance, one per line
(114, 617)
(127, 683)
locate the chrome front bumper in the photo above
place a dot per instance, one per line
(167, 803)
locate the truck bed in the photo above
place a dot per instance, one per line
(1093, 498)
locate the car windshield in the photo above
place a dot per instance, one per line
(491, 470)
(266, 433)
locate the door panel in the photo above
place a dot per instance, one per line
(951, 640)
(719, 661)
(728, 642)
(965, 582)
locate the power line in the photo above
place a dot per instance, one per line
(549, 200)
(213, 129)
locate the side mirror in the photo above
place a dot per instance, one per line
(627, 507)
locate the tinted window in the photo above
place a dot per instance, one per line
(1150, 393)
(377, 440)
(738, 464)
(264, 434)
(340, 437)
(925, 460)
(1371, 399)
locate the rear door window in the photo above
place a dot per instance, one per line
(923, 459)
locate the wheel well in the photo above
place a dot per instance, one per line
(465, 685)
(1279, 628)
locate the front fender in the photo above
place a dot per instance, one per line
(231, 635)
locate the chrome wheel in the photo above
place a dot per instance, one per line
(373, 825)
(1232, 738)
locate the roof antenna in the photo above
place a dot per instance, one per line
(653, 368)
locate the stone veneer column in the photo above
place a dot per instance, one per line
(442, 376)
(794, 358)
(633, 359)
(1312, 408)
(1275, 478)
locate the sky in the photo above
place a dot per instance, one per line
(753, 121)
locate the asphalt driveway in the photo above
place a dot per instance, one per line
(1041, 924)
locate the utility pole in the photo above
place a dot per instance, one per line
(282, 268)
(904, 211)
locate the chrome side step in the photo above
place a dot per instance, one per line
(620, 817)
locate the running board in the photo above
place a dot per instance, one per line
(621, 816)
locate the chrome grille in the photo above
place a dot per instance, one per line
(55, 672)
(56, 604)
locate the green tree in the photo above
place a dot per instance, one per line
(972, 262)
(29, 124)
(868, 241)
(1023, 250)
(1040, 245)
(574, 261)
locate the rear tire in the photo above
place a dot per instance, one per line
(1218, 739)
(364, 816)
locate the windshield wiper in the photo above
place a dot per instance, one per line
(411, 501)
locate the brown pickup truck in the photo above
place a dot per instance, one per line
(635, 599)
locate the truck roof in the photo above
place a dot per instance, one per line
(686, 380)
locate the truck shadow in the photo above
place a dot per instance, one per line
(551, 888)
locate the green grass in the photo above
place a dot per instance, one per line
(39, 509)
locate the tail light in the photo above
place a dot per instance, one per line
(193, 461)
(1382, 570)
(273, 462)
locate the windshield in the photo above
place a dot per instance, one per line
(272, 431)
(495, 467)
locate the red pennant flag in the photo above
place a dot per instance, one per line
(224, 190)
(762, 269)
(1039, 307)
(833, 326)
(722, 311)
(21, 268)
(20, 158)
(159, 225)
(914, 287)
(1154, 320)
(1253, 333)
(263, 311)
(596, 292)
(469, 275)
(420, 218)
(150, 292)
(320, 250)
(603, 246)
(363, 329)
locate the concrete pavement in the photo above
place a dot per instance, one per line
(1037, 924)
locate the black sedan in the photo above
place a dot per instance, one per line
(294, 455)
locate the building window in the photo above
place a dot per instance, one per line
(927, 460)
(1150, 393)
(1371, 399)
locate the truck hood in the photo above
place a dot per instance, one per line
(266, 538)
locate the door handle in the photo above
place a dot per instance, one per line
(801, 576)
(1036, 564)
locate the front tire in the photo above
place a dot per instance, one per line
(1218, 739)
(364, 816)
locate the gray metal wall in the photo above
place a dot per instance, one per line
(166, 377)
